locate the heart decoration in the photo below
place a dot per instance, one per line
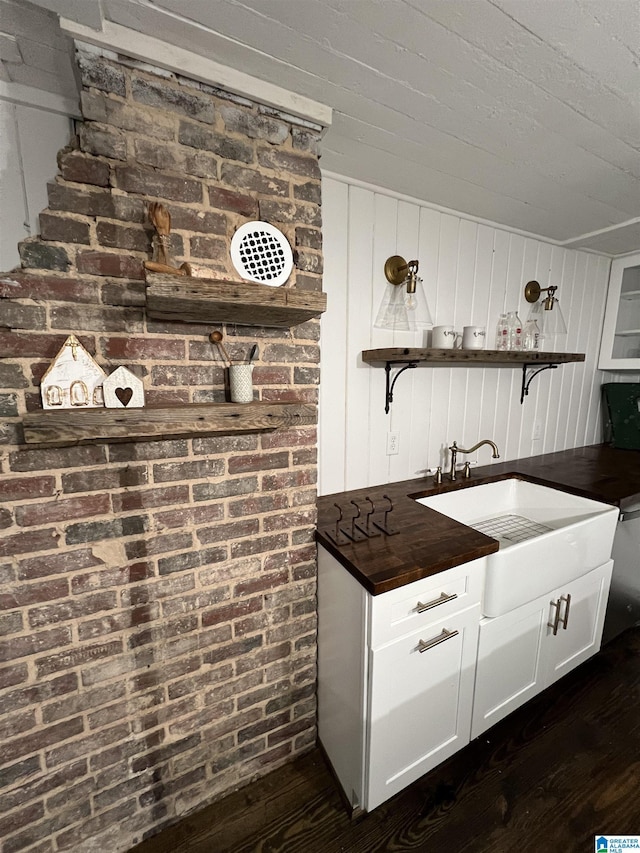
(124, 395)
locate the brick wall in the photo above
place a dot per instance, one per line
(157, 621)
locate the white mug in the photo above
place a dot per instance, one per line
(241, 383)
(444, 337)
(473, 337)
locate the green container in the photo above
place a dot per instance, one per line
(621, 409)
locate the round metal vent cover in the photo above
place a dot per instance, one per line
(260, 252)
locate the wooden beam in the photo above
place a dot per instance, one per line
(202, 300)
(71, 426)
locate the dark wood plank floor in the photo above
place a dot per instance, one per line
(558, 771)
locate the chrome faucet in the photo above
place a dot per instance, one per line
(467, 468)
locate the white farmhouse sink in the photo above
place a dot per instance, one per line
(547, 537)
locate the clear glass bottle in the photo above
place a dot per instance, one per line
(531, 335)
(514, 326)
(502, 333)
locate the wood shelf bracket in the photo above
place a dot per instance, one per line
(527, 376)
(390, 383)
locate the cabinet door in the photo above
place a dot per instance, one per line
(582, 607)
(620, 346)
(509, 671)
(420, 702)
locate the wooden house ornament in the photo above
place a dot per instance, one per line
(122, 389)
(73, 379)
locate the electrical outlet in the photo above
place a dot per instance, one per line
(537, 431)
(393, 443)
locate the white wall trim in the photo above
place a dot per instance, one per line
(148, 49)
(354, 182)
(28, 96)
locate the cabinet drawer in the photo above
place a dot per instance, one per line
(425, 602)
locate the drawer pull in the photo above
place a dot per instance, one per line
(420, 608)
(441, 638)
(565, 619)
(556, 620)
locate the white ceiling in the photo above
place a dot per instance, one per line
(522, 112)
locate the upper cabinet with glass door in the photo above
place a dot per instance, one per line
(620, 347)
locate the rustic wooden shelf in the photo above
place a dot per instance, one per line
(71, 426)
(401, 355)
(204, 300)
(531, 361)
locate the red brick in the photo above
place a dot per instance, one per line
(115, 236)
(231, 611)
(251, 180)
(114, 623)
(54, 458)
(226, 532)
(83, 169)
(23, 817)
(259, 545)
(64, 229)
(264, 582)
(205, 221)
(25, 594)
(20, 345)
(22, 488)
(11, 675)
(71, 750)
(105, 479)
(288, 520)
(34, 643)
(289, 480)
(143, 498)
(29, 286)
(199, 469)
(76, 656)
(148, 182)
(111, 576)
(62, 510)
(143, 348)
(53, 564)
(258, 462)
(72, 609)
(41, 739)
(225, 199)
(26, 543)
(110, 263)
(208, 248)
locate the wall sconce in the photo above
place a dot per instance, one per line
(403, 308)
(547, 313)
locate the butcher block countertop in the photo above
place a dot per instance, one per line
(428, 543)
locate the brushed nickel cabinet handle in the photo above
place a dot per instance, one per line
(567, 599)
(556, 621)
(441, 638)
(442, 599)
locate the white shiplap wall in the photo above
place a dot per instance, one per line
(30, 138)
(471, 271)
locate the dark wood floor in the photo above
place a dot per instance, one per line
(550, 777)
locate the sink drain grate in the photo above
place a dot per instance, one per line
(511, 528)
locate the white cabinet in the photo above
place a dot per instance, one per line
(407, 678)
(395, 676)
(620, 346)
(527, 649)
(420, 698)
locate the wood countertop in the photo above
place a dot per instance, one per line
(428, 543)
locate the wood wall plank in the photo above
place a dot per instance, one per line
(471, 272)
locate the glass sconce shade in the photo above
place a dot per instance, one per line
(404, 304)
(546, 312)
